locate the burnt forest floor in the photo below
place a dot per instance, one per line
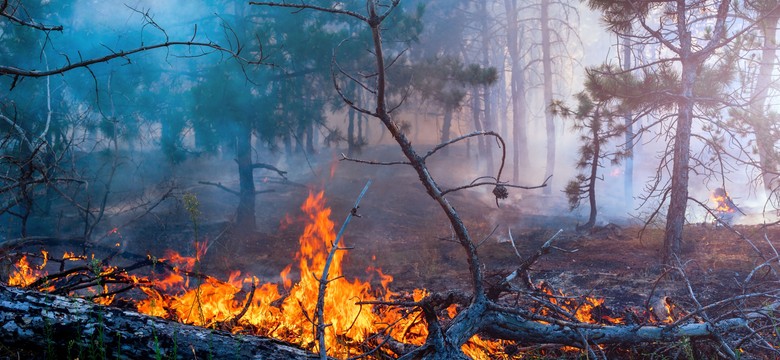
(403, 232)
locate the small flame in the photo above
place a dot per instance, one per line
(723, 202)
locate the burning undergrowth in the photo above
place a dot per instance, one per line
(361, 315)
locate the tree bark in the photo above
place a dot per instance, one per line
(594, 168)
(245, 214)
(350, 132)
(517, 85)
(446, 125)
(761, 125)
(61, 327)
(628, 176)
(488, 123)
(547, 68)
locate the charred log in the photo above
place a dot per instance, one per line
(49, 323)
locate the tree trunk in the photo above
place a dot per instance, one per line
(517, 84)
(310, 137)
(245, 215)
(594, 168)
(350, 132)
(678, 197)
(628, 176)
(445, 127)
(488, 123)
(761, 125)
(55, 327)
(476, 108)
(547, 68)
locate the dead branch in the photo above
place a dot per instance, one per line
(234, 192)
(270, 167)
(371, 162)
(495, 291)
(29, 23)
(16, 71)
(323, 281)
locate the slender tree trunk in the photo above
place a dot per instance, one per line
(517, 86)
(678, 197)
(628, 176)
(488, 111)
(445, 127)
(594, 168)
(761, 125)
(310, 131)
(547, 68)
(350, 132)
(287, 140)
(476, 108)
(245, 215)
(360, 137)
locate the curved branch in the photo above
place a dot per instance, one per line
(497, 183)
(15, 71)
(369, 162)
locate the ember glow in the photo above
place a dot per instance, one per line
(288, 311)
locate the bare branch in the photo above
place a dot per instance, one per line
(29, 23)
(301, 6)
(15, 71)
(369, 162)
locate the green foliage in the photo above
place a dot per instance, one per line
(444, 80)
(598, 118)
(573, 191)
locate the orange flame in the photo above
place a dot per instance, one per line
(722, 201)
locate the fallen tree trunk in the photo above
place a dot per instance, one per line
(57, 325)
(513, 327)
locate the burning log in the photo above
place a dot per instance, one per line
(40, 321)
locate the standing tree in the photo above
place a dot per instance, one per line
(692, 33)
(514, 39)
(597, 118)
(760, 47)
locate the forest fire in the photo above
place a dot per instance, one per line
(288, 311)
(725, 209)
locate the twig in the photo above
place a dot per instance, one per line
(512, 240)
